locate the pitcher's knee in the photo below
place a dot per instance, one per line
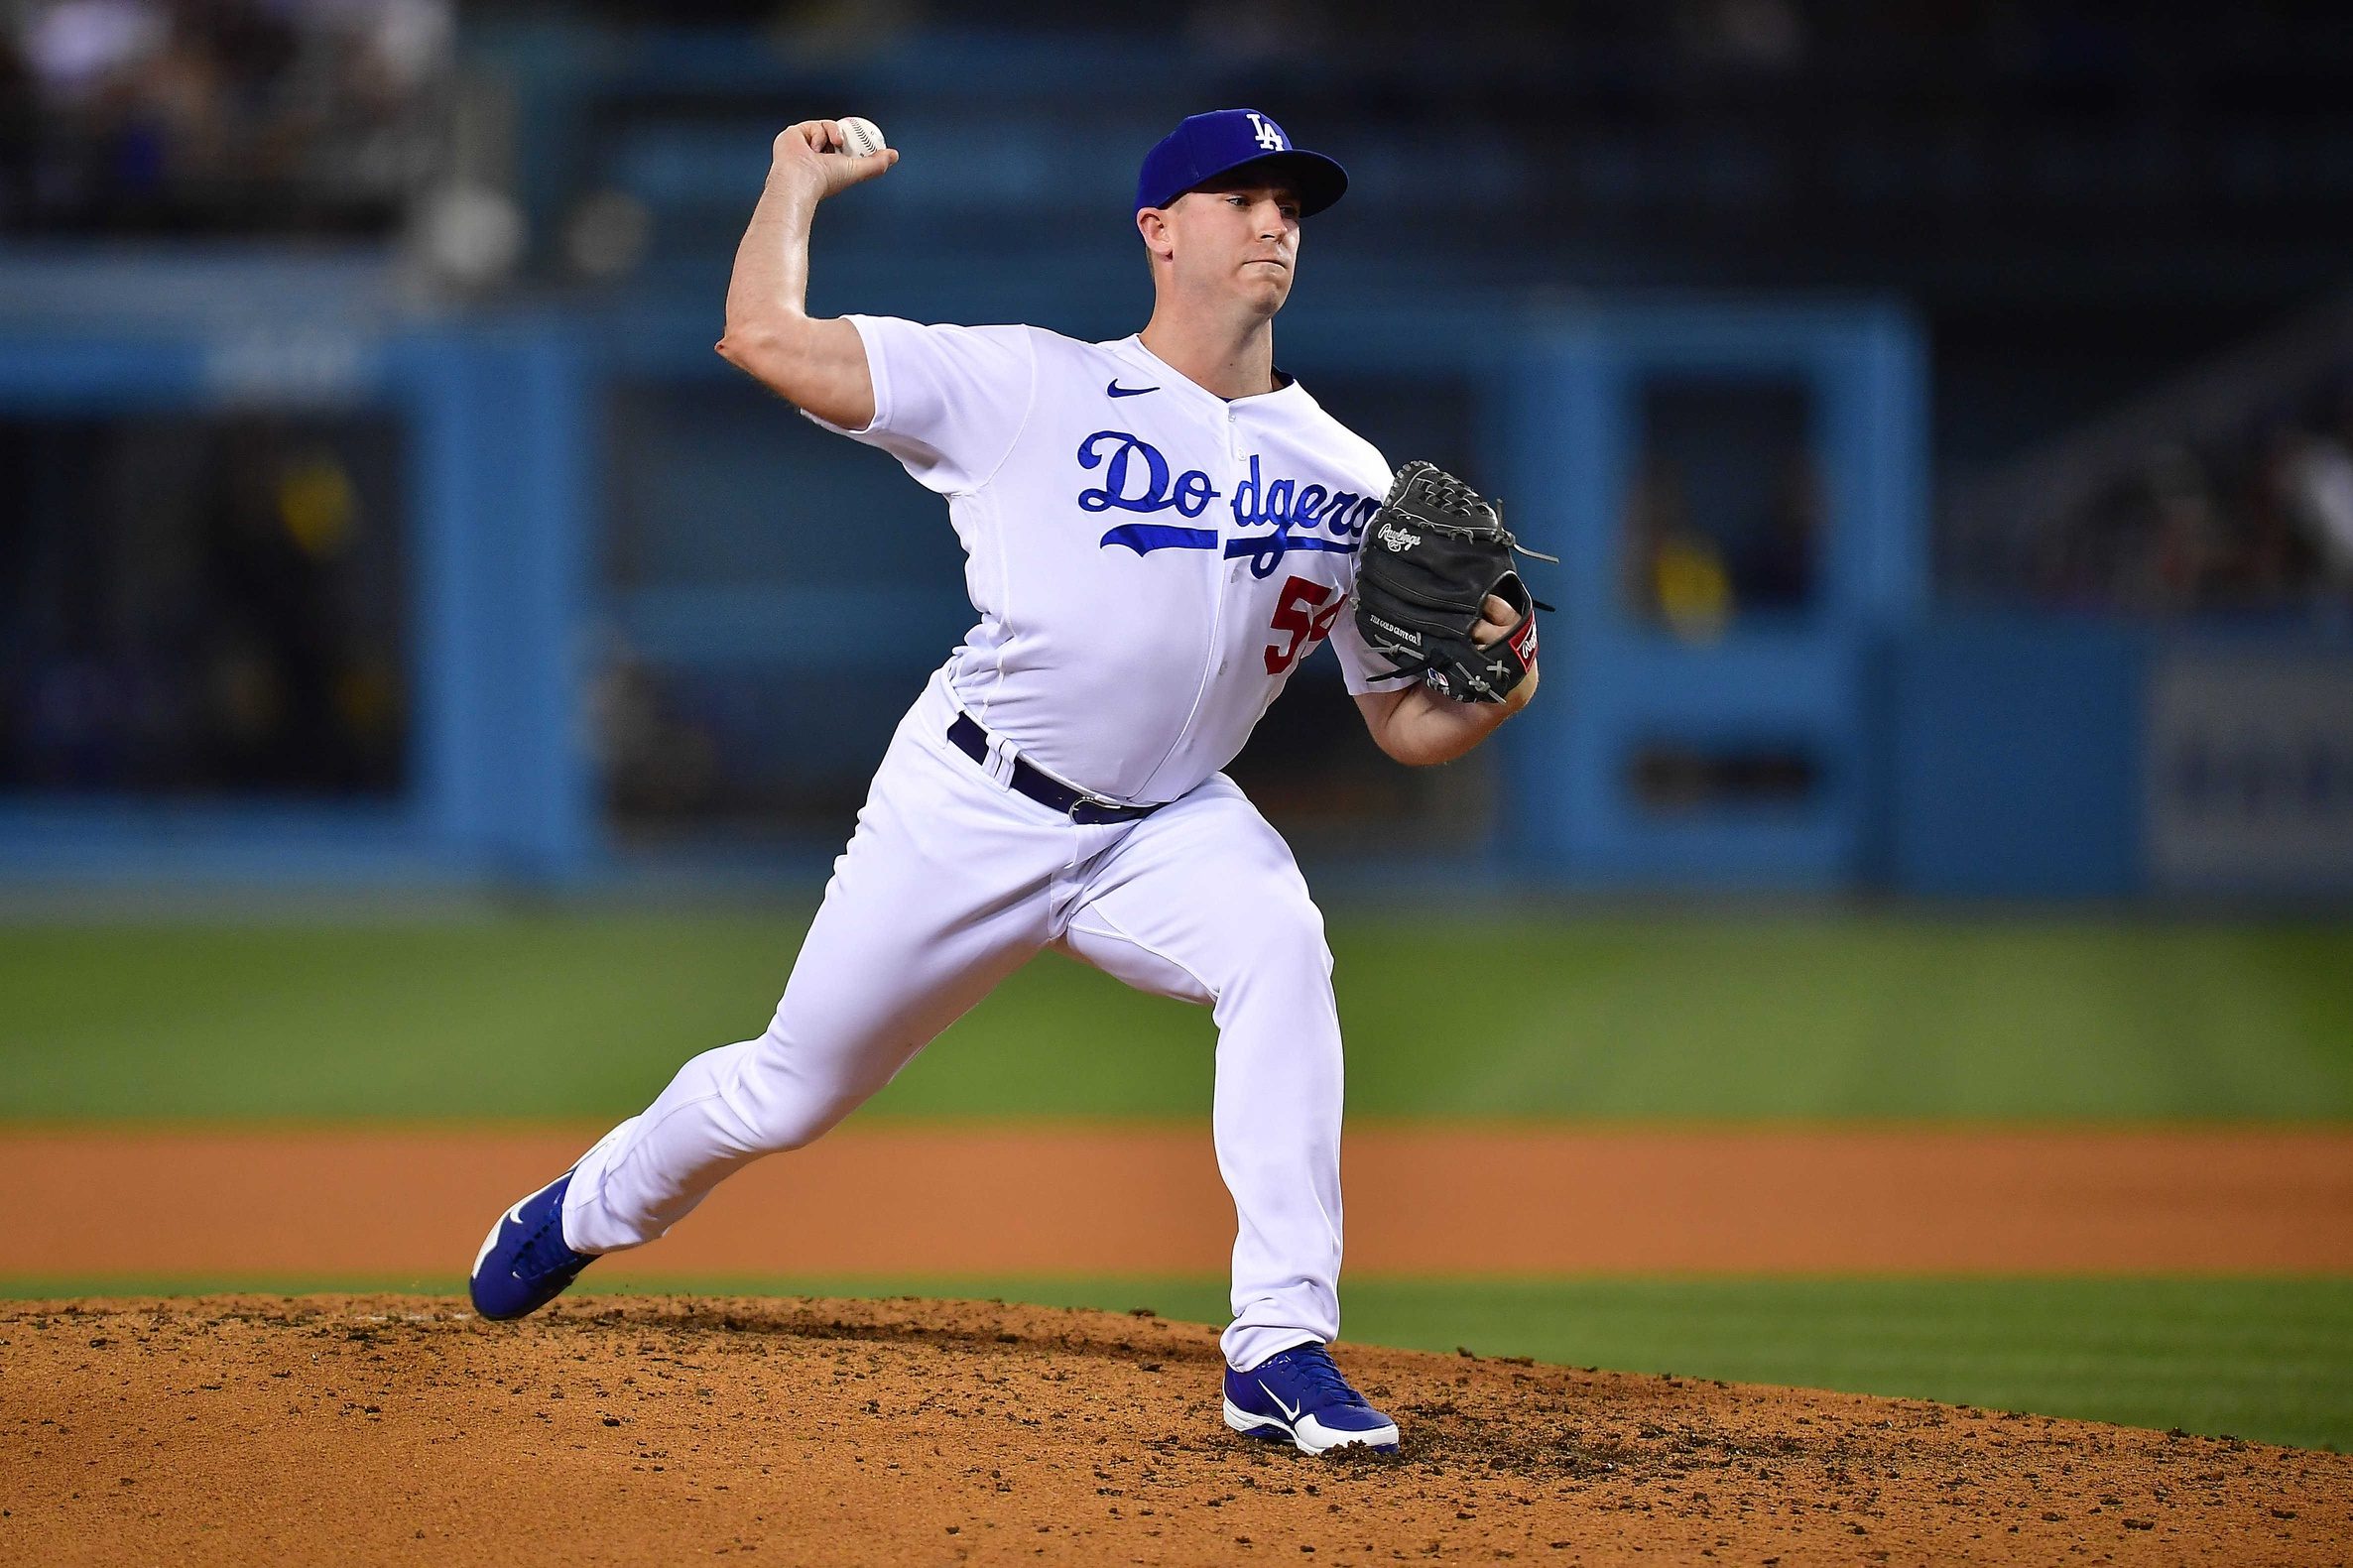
(780, 1103)
(1281, 943)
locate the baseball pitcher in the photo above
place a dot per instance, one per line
(1157, 531)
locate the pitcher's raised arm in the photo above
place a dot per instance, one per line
(816, 364)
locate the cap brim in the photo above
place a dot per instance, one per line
(1319, 180)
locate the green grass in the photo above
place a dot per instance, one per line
(2270, 1360)
(1705, 1016)
(1695, 1017)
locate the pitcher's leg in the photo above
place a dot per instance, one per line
(941, 896)
(1204, 901)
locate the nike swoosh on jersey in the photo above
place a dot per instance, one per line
(1115, 390)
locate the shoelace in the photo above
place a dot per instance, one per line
(543, 1253)
(1312, 1365)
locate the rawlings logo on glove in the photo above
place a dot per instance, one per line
(1420, 607)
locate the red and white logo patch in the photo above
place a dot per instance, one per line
(1523, 644)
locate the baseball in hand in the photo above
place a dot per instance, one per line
(861, 138)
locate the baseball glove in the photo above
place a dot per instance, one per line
(1431, 555)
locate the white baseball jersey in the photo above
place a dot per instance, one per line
(1150, 563)
(1150, 560)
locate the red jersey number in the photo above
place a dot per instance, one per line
(1302, 612)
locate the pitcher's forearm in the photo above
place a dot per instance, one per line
(1428, 729)
(770, 284)
(818, 365)
(1420, 728)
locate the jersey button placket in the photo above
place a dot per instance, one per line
(1230, 525)
(1211, 660)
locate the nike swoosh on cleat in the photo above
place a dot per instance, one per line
(1115, 390)
(1289, 1412)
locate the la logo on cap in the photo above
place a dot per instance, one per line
(1206, 146)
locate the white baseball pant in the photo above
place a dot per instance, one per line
(950, 883)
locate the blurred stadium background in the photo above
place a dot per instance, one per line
(433, 684)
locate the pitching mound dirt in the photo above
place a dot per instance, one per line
(402, 1429)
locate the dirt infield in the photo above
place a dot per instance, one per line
(399, 1429)
(930, 1200)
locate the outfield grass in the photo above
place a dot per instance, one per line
(2268, 1359)
(1676, 1018)
(1706, 1017)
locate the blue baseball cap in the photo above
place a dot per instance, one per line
(1205, 146)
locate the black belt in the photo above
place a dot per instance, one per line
(1089, 811)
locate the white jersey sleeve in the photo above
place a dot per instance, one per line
(1363, 669)
(949, 401)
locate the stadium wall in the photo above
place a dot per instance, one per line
(1860, 740)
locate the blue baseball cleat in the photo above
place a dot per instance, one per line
(1300, 1394)
(524, 1263)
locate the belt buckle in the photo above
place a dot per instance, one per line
(1087, 798)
